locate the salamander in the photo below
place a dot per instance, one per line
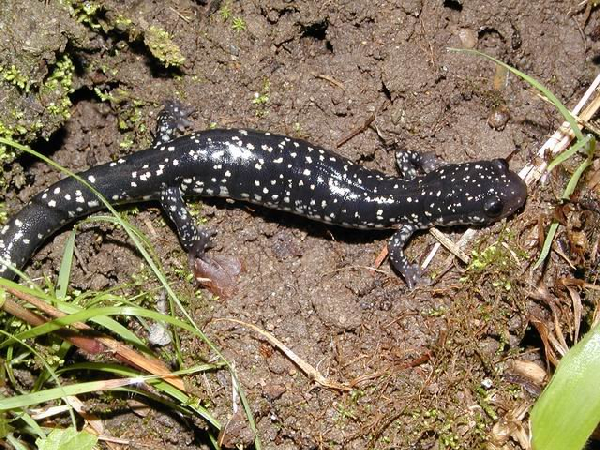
(277, 172)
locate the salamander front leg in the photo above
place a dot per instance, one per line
(173, 118)
(411, 162)
(411, 272)
(217, 273)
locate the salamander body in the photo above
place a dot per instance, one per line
(275, 171)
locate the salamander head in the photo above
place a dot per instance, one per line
(478, 193)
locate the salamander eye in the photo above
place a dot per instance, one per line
(501, 164)
(493, 207)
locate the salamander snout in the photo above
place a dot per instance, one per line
(507, 196)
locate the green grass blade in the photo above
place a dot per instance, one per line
(547, 245)
(46, 366)
(32, 424)
(564, 111)
(568, 410)
(64, 275)
(35, 398)
(88, 314)
(183, 398)
(17, 444)
(562, 157)
(69, 308)
(115, 221)
(574, 181)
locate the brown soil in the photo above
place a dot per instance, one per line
(430, 367)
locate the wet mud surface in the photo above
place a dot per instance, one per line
(428, 368)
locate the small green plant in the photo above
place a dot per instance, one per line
(67, 439)
(130, 114)
(61, 76)
(3, 213)
(261, 99)
(225, 11)
(106, 97)
(13, 76)
(86, 13)
(126, 143)
(238, 24)
(7, 154)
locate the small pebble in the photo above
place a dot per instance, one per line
(468, 37)
(487, 383)
(498, 118)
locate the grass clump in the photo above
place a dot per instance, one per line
(73, 314)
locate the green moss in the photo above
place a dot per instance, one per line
(62, 75)
(85, 12)
(105, 97)
(57, 87)
(126, 143)
(130, 115)
(3, 213)
(161, 46)
(122, 23)
(7, 154)
(13, 76)
(498, 260)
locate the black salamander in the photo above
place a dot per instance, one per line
(277, 172)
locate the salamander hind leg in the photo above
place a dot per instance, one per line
(410, 162)
(218, 273)
(173, 118)
(411, 272)
(195, 240)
